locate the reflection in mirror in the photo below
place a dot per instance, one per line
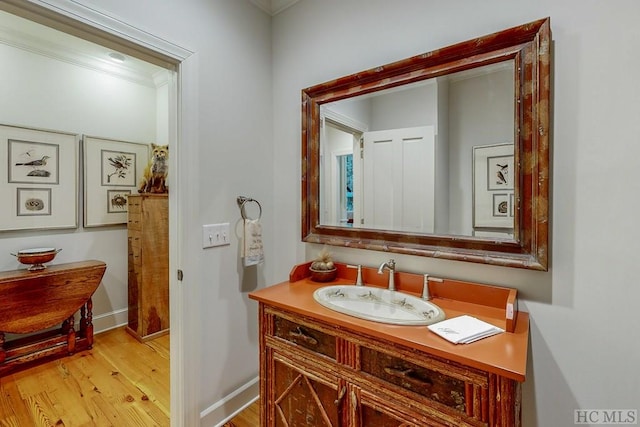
(444, 154)
(414, 151)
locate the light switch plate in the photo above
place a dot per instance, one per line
(215, 235)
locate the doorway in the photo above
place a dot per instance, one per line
(341, 165)
(104, 31)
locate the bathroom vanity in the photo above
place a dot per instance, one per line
(323, 368)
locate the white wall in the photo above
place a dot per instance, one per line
(41, 92)
(583, 311)
(405, 109)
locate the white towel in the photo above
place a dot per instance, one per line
(252, 250)
(464, 329)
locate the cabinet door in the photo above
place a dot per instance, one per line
(302, 399)
(376, 416)
(374, 410)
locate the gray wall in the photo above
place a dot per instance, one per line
(578, 358)
(480, 113)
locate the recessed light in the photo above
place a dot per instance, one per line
(117, 57)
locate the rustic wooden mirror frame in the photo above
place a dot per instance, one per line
(529, 46)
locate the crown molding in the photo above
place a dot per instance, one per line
(66, 53)
(96, 25)
(273, 7)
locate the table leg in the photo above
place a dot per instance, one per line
(64, 328)
(83, 321)
(88, 334)
(71, 336)
(3, 355)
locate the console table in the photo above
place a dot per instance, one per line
(42, 304)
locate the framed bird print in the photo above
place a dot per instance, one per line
(112, 171)
(33, 162)
(493, 186)
(39, 172)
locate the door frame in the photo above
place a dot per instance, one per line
(357, 129)
(98, 27)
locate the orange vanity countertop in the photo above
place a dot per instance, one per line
(504, 354)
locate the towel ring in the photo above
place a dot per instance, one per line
(241, 200)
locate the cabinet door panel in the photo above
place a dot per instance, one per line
(301, 400)
(372, 417)
(381, 408)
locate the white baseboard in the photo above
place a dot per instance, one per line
(107, 321)
(228, 407)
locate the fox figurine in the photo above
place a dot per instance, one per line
(154, 179)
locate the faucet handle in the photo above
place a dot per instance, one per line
(425, 287)
(426, 278)
(359, 276)
(391, 265)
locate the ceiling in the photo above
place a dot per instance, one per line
(39, 39)
(27, 35)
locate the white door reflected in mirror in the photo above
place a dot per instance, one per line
(399, 179)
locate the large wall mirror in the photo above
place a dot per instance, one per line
(444, 154)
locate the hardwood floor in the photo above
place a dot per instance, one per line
(120, 382)
(249, 417)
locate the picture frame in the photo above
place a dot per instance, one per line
(117, 200)
(493, 186)
(112, 171)
(33, 162)
(33, 201)
(39, 177)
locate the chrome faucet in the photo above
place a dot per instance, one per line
(391, 265)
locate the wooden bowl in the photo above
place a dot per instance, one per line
(36, 257)
(323, 275)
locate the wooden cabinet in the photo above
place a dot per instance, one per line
(148, 254)
(317, 374)
(322, 368)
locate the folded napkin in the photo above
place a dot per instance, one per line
(464, 329)
(252, 250)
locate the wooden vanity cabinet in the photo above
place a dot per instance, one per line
(315, 373)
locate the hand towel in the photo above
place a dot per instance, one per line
(464, 329)
(252, 250)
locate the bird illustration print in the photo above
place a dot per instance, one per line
(37, 166)
(121, 165)
(502, 173)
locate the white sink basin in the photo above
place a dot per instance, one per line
(379, 305)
